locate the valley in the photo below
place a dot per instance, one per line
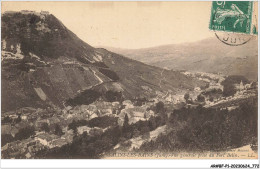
(64, 99)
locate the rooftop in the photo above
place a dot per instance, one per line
(59, 142)
(47, 137)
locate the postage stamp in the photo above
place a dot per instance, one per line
(234, 22)
(254, 27)
(231, 16)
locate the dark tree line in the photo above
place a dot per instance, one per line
(229, 84)
(22, 134)
(208, 129)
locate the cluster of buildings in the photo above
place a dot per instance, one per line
(27, 12)
(134, 113)
(52, 140)
(11, 51)
(88, 112)
(242, 91)
(47, 140)
(242, 87)
(206, 76)
(42, 140)
(27, 148)
(22, 148)
(170, 97)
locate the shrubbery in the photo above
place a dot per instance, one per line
(229, 90)
(212, 92)
(112, 96)
(102, 122)
(109, 73)
(25, 133)
(6, 138)
(208, 129)
(86, 97)
(229, 84)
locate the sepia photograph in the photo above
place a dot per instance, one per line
(129, 80)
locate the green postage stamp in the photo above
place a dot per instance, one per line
(233, 16)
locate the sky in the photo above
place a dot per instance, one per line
(131, 25)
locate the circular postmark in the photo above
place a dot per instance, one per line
(227, 21)
(232, 38)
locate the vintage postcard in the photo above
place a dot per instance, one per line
(129, 80)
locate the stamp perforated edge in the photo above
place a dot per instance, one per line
(251, 6)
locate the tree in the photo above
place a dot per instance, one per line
(161, 110)
(200, 98)
(127, 129)
(230, 82)
(102, 122)
(45, 127)
(152, 123)
(186, 96)
(25, 133)
(6, 138)
(145, 131)
(207, 86)
(254, 85)
(58, 130)
(73, 126)
(159, 107)
(116, 133)
(229, 90)
(7, 119)
(235, 79)
(83, 149)
(18, 120)
(126, 121)
(112, 96)
(136, 133)
(95, 132)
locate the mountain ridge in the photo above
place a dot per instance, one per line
(208, 55)
(45, 64)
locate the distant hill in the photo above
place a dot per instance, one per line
(45, 64)
(209, 55)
